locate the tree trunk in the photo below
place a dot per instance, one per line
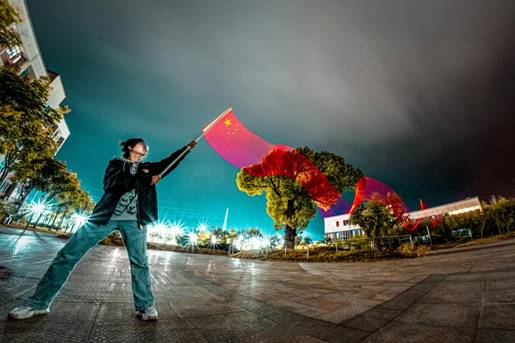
(68, 226)
(498, 226)
(289, 237)
(3, 174)
(289, 232)
(37, 221)
(25, 191)
(22, 198)
(28, 221)
(61, 222)
(55, 217)
(10, 189)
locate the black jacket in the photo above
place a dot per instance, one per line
(118, 180)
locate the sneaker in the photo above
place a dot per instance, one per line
(147, 314)
(24, 312)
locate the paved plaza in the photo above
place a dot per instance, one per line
(465, 296)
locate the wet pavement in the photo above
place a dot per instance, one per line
(466, 296)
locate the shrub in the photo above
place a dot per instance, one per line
(408, 250)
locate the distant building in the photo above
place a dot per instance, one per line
(340, 227)
(27, 57)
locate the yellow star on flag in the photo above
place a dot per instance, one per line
(227, 122)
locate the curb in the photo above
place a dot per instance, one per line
(476, 247)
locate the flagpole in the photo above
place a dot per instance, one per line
(204, 131)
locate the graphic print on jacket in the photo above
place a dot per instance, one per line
(126, 208)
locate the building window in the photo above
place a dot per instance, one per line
(28, 73)
(60, 141)
(14, 54)
(337, 223)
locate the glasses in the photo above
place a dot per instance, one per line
(146, 147)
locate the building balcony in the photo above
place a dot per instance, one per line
(57, 93)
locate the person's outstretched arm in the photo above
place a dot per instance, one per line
(158, 167)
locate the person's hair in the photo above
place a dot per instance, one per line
(129, 143)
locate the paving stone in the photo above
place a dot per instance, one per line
(371, 320)
(146, 332)
(203, 298)
(494, 335)
(503, 295)
(192, 309)
(492, 285)
(324, 331)
(441, 315)
(455, 293)
(498, 316)
(396, 332)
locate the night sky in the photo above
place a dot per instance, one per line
(418, 94)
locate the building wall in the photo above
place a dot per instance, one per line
(340, 226)
(29, 61)
(452, 208)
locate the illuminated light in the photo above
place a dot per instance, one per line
(176, 229)
(237, 243)
(160, 227)
(79, 219)
(256, 243)
(192, 238)
(202, 227)
(157, 233)
(38, 208)
(213, 242)
(465, 210)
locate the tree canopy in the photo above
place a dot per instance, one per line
(27, 123)
(290, 205)
(8, 16)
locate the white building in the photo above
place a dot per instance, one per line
(27, 57)
(340, 227)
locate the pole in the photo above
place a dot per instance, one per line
(429, 235)
(224, 226)
(204, 131)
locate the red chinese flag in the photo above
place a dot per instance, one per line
(242, 148)
(236, 144)
(301, 169)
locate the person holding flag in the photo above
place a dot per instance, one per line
(129, 204)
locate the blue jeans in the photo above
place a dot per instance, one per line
(85, 238)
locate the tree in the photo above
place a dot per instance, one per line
(27, 124)
(253, 232)
(43, 177)
(61, 186)
(74, 201)
(501, 212)
(8, 16)
(288, 204)
(375, 219)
